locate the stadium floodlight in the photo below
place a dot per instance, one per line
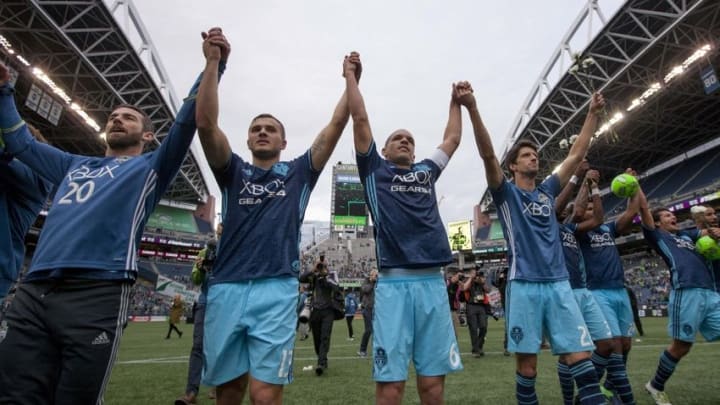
(609, 124)
(5, 44)
(23, 60)
(54, 87)
(654, 88)
(89, 121)
(40, 74)
(681, 68)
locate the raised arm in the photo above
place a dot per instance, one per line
(361, 124)
(468, 281)
(493, 171)
(589, 183)
(44, 160)
(565, 195)
(214, 142)
(582, 143)
(327, 139)
(624, 221)
(645, 214)
(453, 130)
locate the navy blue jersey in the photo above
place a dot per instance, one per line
(409, 232)
(531, 230)
(687, 267)
(22, 195)
(573, 256)
(695, 234)
(102, 203)
(602, 260)
(263, 211)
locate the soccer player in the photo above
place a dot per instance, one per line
(606, 281)
(251, 313)
(569, 224)
(539, 296)
(65, 323)
(411, 316)
(705, 218)
(694, 305)
(22, 195)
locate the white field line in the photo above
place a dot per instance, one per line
(184, 359)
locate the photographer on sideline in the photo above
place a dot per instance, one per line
(477, 305)
(367, 300)
(201, 268)
(324, 285)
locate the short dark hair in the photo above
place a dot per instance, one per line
(266, 115)
(146, 121)
(656, 213)
(515, 151)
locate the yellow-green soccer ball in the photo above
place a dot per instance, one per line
(624, 185)
(708, 248)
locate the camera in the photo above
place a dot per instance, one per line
(210, 255)
(304, 316)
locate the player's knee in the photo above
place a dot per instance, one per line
(605, 347)
(679, 349)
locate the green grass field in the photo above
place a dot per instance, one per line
(152, 370)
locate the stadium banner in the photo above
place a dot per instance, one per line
(147, 318)
(460, 235)
(173, 219)
(349, 220)
(710, 80)
(170, 288)
(33, 97)
(687, 204)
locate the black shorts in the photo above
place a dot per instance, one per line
(62, 340)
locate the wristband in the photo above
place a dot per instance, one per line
(595, 192)
(12, 128)
(574, 179)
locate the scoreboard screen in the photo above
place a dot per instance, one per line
(349, 202)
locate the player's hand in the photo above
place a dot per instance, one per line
(631, 171)
(597, 103)
(592, 177)
(462, 93)
(714, 233)
(352, 65)
(215, 45)
(582, 168)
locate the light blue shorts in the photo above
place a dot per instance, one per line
(594, 319)
(615, 306)
(250, 327)
(535, 308)
(694, 310)
(412, 321)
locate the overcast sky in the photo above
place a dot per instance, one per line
(287, 58)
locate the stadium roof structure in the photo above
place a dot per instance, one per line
(82, 48)
(636, 57)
